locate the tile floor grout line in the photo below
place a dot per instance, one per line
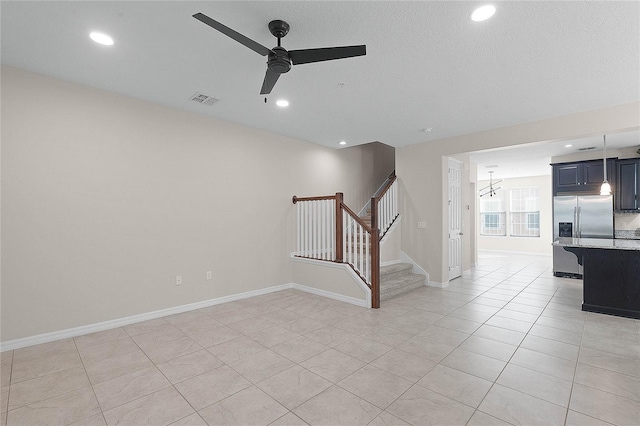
(575, 370)
(508, 362)
(89, 380)
(560, 292)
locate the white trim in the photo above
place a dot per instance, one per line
(340, 297)
(438, 285)
(365, 288)
(527, 253)
(119, 322)
(391, 262)
(416, 268)
(393, 226)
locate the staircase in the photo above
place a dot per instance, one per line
(329, 230)
(398, 279)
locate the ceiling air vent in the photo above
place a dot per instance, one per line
(204, 99)
(589, 148)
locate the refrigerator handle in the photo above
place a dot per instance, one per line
(579, 221)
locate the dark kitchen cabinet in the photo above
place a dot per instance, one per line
(584, 177)
(628, 184)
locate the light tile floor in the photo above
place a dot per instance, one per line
(506, 343)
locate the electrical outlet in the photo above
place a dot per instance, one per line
(178, 279)
(208, 275)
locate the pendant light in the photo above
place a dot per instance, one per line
(605, 189)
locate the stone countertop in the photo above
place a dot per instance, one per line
(633, 234)
(601, 243)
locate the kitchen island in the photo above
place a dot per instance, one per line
(611, 274)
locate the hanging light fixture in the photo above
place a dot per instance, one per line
(491, 190)
(605, 189)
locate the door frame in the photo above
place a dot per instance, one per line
(457, 272)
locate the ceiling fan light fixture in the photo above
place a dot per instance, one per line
(101, 38)
(483, 13)
(282, 103)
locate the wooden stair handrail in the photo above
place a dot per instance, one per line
(322, 197)
(372, 230)
(356, 217)
(385, 188)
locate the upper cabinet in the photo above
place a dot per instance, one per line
(627, 193)
(584, 177)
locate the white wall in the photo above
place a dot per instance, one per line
(538, 245)
(105, 199)
(422, 172)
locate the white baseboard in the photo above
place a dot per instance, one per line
(438, 285)
(340, 297)
(391, 262)
(394, 225)
(119, 322)
(356, 278)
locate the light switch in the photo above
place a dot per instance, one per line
(422, 225)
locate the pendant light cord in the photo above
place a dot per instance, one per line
(605, 157)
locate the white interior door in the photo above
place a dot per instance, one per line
(455, 218)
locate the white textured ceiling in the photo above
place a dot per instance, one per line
(535, 159)
(427, 64)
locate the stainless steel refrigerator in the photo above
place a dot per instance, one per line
(583, 216)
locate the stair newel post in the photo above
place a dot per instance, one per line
(375, 255)
(339, 227)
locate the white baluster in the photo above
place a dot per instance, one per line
(345, 237)
(332, 227)
(298, 221)
(308, 230)
(349, 238)
(325, 230)
(367, 257)
(361, 242)
(315, 229)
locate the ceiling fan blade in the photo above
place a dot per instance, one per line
(306, 56)
(270, 79)
(253, 45)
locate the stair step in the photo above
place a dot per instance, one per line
(398, 278)
(395, 270)
(390, 288)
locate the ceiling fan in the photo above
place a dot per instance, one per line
(279, 59)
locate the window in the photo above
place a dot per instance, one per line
(493, 214)
(525, 212)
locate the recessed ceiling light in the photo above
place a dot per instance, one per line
(483, 13)
(343, 142)
(101, 38)
(282, 103)
(568, 145)
(427, 130)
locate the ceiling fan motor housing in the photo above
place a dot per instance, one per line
(279, 60)
(279, 28)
